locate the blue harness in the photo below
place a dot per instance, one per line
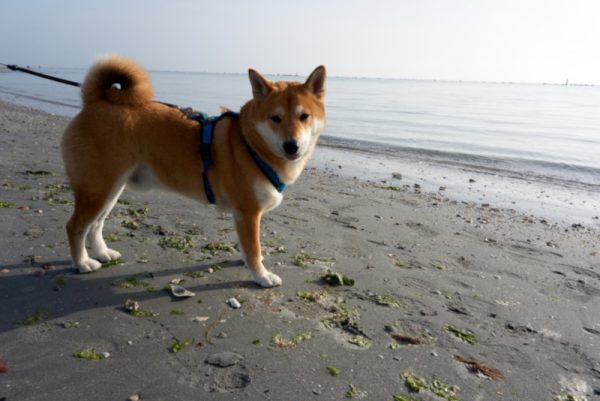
(208, 129)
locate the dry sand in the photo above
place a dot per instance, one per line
(528, 290)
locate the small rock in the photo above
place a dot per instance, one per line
(234, 303)
(434, 354)
(471, 180)
(436, 292)
(105, 354)
(397, 176)
(134, 397)
(24, 208)
(224, 359)
(129, 342)
(5, 271)
(39, 211)
(199, 319)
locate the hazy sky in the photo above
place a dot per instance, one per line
(502, 40)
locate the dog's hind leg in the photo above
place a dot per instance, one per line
(99, 248)
(248, 229)
(89, 207)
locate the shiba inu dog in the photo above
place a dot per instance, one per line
(122, 138)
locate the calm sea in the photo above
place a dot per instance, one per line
(545, 133)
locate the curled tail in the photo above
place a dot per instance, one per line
(117, 80)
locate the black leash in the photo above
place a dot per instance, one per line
(14, 67)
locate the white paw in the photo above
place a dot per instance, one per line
(107, 255)
(88, 265)
(267, 279)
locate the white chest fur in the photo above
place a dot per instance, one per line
(267, 195)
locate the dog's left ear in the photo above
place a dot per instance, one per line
(316, 81)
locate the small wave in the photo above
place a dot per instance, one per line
(563, 174)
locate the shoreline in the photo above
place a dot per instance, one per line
(537, 199)
(436, 283)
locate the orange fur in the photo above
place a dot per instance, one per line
(122, 136)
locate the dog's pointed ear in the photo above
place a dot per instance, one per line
(316, 81)
(260, 86)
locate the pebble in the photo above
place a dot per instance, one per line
(433, 353)
(234, 303)
(134, 397)
(436, 292)
(129, 342)
(105, 354)
(70, 324)
(224, 359)
(5, 271)
(200, 319)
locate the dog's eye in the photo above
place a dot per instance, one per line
(304, 117)
(276, 119)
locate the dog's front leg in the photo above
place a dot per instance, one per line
(248, 229)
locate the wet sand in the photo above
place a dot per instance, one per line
(443, 290)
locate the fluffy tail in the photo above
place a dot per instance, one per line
(117, 80)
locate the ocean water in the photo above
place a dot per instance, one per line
(545, 134)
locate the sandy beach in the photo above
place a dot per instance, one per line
(451, 300)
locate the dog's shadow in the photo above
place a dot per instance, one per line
(61, 291)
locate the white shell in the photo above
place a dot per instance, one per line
(180, 292)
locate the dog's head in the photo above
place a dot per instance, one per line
(287, 117)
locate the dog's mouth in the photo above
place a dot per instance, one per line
(293, 157)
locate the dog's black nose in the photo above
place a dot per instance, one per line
(290, 147)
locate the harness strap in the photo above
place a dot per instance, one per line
(267, 170)
(208, 130)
